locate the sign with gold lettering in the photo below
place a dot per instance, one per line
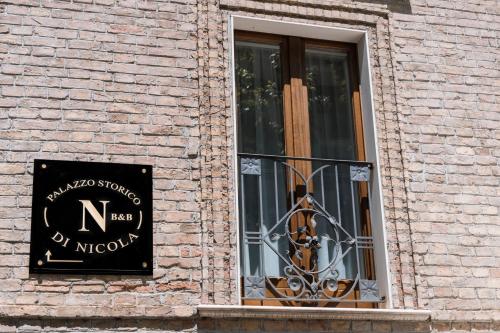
(91, 218)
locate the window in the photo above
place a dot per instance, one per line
(305, 229)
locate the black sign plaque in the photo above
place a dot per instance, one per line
(91, 218)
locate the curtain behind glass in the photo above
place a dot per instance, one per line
(260, 131)
(332, 136)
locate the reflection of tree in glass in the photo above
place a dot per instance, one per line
(323, 89)
(259, 94)
(255, 91)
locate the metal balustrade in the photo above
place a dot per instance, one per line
(305, 230)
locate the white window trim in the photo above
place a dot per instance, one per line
(359, 37)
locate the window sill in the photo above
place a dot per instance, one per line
(277, 312)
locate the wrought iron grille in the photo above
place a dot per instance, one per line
(302, 234)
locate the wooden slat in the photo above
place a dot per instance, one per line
(300, 126)
(258, 37)
(301, 138)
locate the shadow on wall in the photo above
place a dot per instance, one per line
(255, 325)
(398, 6)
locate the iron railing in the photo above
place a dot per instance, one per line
(305, 230)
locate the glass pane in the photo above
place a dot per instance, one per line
(259, 98)
(332, 136)
(329, 100)
(260, 131)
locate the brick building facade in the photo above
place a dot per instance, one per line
(151, 82)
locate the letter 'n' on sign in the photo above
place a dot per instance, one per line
(98, 218)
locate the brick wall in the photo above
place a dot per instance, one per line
(149, 82)
(446, 59)
(101, 81)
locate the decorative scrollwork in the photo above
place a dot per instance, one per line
(255, 286)
(360, 173)
(308, 227)
(369, 290)
(250, 166)
(310, 280)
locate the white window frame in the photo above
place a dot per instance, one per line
(359, 37)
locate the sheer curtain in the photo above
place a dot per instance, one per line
(260, 123)
(332, 136)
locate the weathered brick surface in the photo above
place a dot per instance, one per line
(149, 82)
(446, 59)
(101, 81)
